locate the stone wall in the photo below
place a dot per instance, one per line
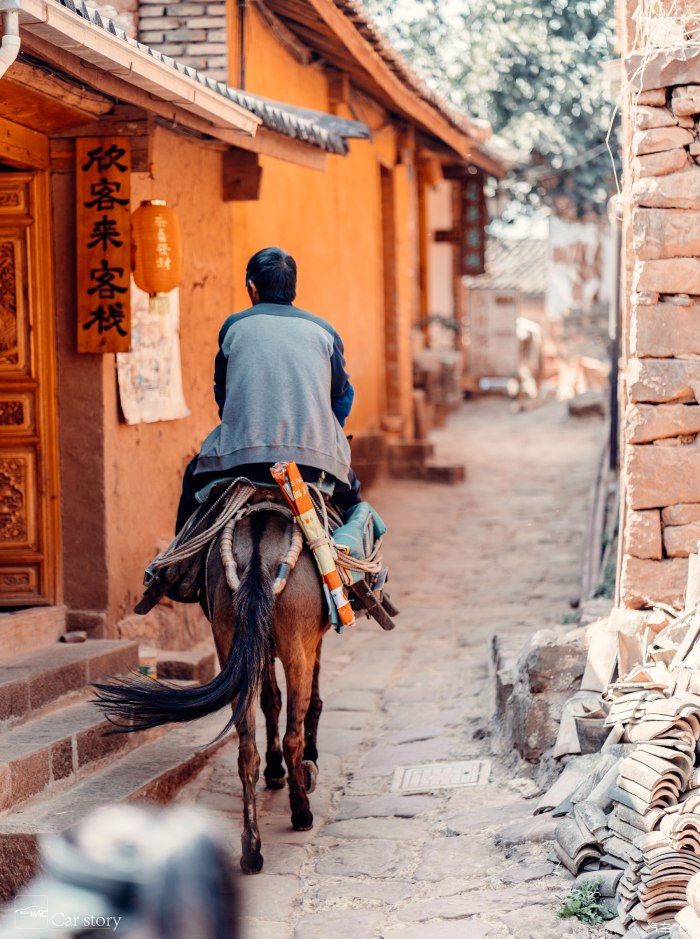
(661, 446)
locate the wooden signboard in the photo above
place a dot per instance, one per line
(474, 221)
(103, 232)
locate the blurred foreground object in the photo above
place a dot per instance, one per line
(130, 872)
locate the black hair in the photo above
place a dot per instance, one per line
(274, 273)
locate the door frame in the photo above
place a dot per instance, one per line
(28, 152)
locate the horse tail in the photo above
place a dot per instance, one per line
(137, 704)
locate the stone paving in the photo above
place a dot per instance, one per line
(501, 551)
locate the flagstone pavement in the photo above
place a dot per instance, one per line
(501, 551)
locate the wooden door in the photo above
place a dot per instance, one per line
(29, 512)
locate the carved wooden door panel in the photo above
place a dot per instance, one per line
(29, 555)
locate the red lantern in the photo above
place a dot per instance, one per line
(157, 251)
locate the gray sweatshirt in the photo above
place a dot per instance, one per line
(282, 390)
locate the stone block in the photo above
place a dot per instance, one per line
(675, 191)
(645, 117)
(654, 97)
(656, 381)
(668, 275)
(51, 684)
(93, 745)
(660, 476)
(62, 759)
(665, 233)
(644, 583)
(14, 699)
(660, 138)
(682, 514)
(207, 48)
(685, 101)
(180, 35)
(663, 69)
(665, 330)
(659, 164)
(450, 474)
(160, 23)
(548, 672)
(643, 534)
(202, 21)
(29, 775)
(552, 662)
(681, 540)
(647, 422)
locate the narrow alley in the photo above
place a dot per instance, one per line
(505, 554)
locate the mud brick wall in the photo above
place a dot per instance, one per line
(192, 31)
(661, 421)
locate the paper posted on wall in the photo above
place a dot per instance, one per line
(150, 376)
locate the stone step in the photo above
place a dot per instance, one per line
(440, 471)
(51, 752)
(26, 630)
(196, 664)
(33, 682)
(154, 772)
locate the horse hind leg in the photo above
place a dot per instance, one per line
(249, 771)
(271, 703)
(299, 674)
(313, 715)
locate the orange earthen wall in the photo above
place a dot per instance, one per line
(331, 222)
(144, 462)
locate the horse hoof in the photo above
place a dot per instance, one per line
(252, 864)
(302, 821)
(310, 775)
(274, 782)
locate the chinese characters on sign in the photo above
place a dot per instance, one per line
(103, 231)
(474, 221)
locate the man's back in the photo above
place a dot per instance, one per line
(282, 391)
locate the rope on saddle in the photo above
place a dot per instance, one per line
(234, 504)
(331, 519)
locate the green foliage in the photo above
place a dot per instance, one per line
(533, 68)
(573, 616)
(584, 904)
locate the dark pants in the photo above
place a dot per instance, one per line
(345, 495)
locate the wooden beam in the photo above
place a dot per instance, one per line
(404, 98)
(338, 89)
(268, 143)
(56, 87)
(283, 34)
(23, 147)
(241, 175)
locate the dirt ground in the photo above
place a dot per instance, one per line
(500, 552)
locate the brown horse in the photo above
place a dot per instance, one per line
(251, 628)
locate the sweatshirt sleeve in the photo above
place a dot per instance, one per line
(342, 392)
(220, 366)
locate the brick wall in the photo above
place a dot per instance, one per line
(661, 420)
(192, 31)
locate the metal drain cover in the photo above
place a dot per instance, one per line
(429, 776)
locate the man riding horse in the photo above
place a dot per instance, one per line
(283, 394)
(282, 390)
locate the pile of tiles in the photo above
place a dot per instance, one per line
(636, 824)
(689, 917)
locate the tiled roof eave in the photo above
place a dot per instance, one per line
(222, 105)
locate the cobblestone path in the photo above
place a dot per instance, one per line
(502, 551)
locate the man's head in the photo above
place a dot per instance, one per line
(271, 277)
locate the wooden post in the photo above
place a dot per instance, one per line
(103, 232)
